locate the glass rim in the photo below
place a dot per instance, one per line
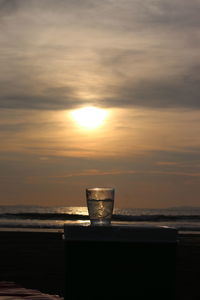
(100, 188)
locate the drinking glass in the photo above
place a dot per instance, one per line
(100, 203)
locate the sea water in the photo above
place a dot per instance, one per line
(100, 211)
(54, 217)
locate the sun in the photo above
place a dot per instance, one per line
(89, 117)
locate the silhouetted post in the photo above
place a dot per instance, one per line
(120, 262)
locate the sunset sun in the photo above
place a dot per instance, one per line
(89, 117)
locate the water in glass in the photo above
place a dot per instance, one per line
(100, 211)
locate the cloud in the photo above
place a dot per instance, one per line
(177, 13)
(94, 172)
(8, 6)
(176, 92)
(61, 100)
(59, 55)
(167, 163)
(180, 91)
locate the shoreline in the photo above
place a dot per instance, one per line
(180, 233)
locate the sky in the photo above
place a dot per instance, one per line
(136, 61)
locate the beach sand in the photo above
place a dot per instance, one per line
(13, 291)
(35, 259)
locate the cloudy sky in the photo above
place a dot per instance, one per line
(138, 61)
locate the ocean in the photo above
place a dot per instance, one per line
(182, 218)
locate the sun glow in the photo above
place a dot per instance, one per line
(89, 117)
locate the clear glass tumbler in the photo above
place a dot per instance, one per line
(100, 203)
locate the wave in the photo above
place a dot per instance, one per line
(115, 217)
(157, 218)
(43, 216)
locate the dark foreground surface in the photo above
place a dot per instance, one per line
(35, 259)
